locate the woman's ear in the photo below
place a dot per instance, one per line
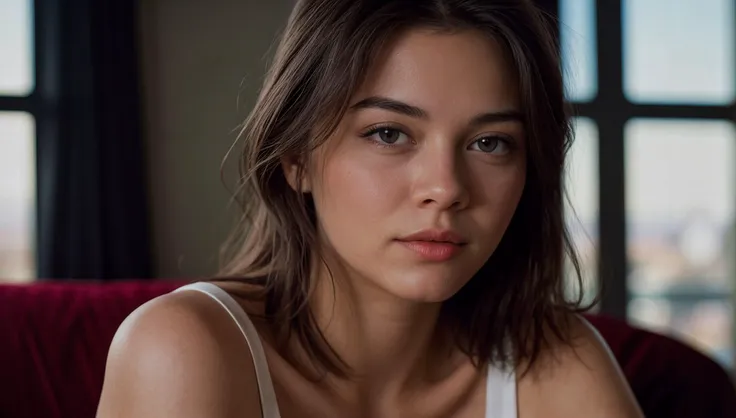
(295, 174)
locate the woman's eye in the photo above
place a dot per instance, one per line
(389, 136)
(491, 145)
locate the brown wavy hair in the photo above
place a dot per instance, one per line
(508, 312)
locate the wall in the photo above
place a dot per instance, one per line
(199, 59)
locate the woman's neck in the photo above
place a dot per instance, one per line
(389, 345)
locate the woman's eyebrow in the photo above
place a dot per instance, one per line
(392, 105)
(489, 118)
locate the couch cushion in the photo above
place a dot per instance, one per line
(670, 379)
(54, 338)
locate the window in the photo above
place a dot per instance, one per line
(679, 51)
(17, 142)
(16, 47)
(655, 156)
(680, 195)
(581, 207)
(577, 38)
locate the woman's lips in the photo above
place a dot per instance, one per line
(433, 250)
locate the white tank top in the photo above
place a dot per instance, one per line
(500, 386)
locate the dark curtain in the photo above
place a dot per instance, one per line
(92, 205)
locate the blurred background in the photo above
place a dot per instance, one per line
(115, 117)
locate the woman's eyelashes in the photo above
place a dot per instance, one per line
(388, 136)
(492, 144)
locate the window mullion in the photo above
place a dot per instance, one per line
(612, 271)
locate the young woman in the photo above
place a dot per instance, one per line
(402, 248)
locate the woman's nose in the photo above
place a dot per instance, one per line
(442, 182)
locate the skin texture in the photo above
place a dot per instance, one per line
(447, 166)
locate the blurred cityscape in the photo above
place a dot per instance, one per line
(680, 198)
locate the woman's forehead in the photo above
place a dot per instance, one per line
(466, 71)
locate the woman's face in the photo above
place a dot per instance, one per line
(415, 189)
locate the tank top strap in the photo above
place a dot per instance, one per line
(269, 405)
(501, 393)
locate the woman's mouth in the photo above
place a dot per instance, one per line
(433, 250)
(434, 244)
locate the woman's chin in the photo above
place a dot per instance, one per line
(425, 288)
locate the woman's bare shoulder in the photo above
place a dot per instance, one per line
(180, 355)
(580, 379)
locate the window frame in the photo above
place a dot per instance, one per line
(611, 111)
(28, 104)
(41, 104)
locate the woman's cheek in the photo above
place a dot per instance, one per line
(365, 181)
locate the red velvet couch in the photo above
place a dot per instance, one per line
(54, 339)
